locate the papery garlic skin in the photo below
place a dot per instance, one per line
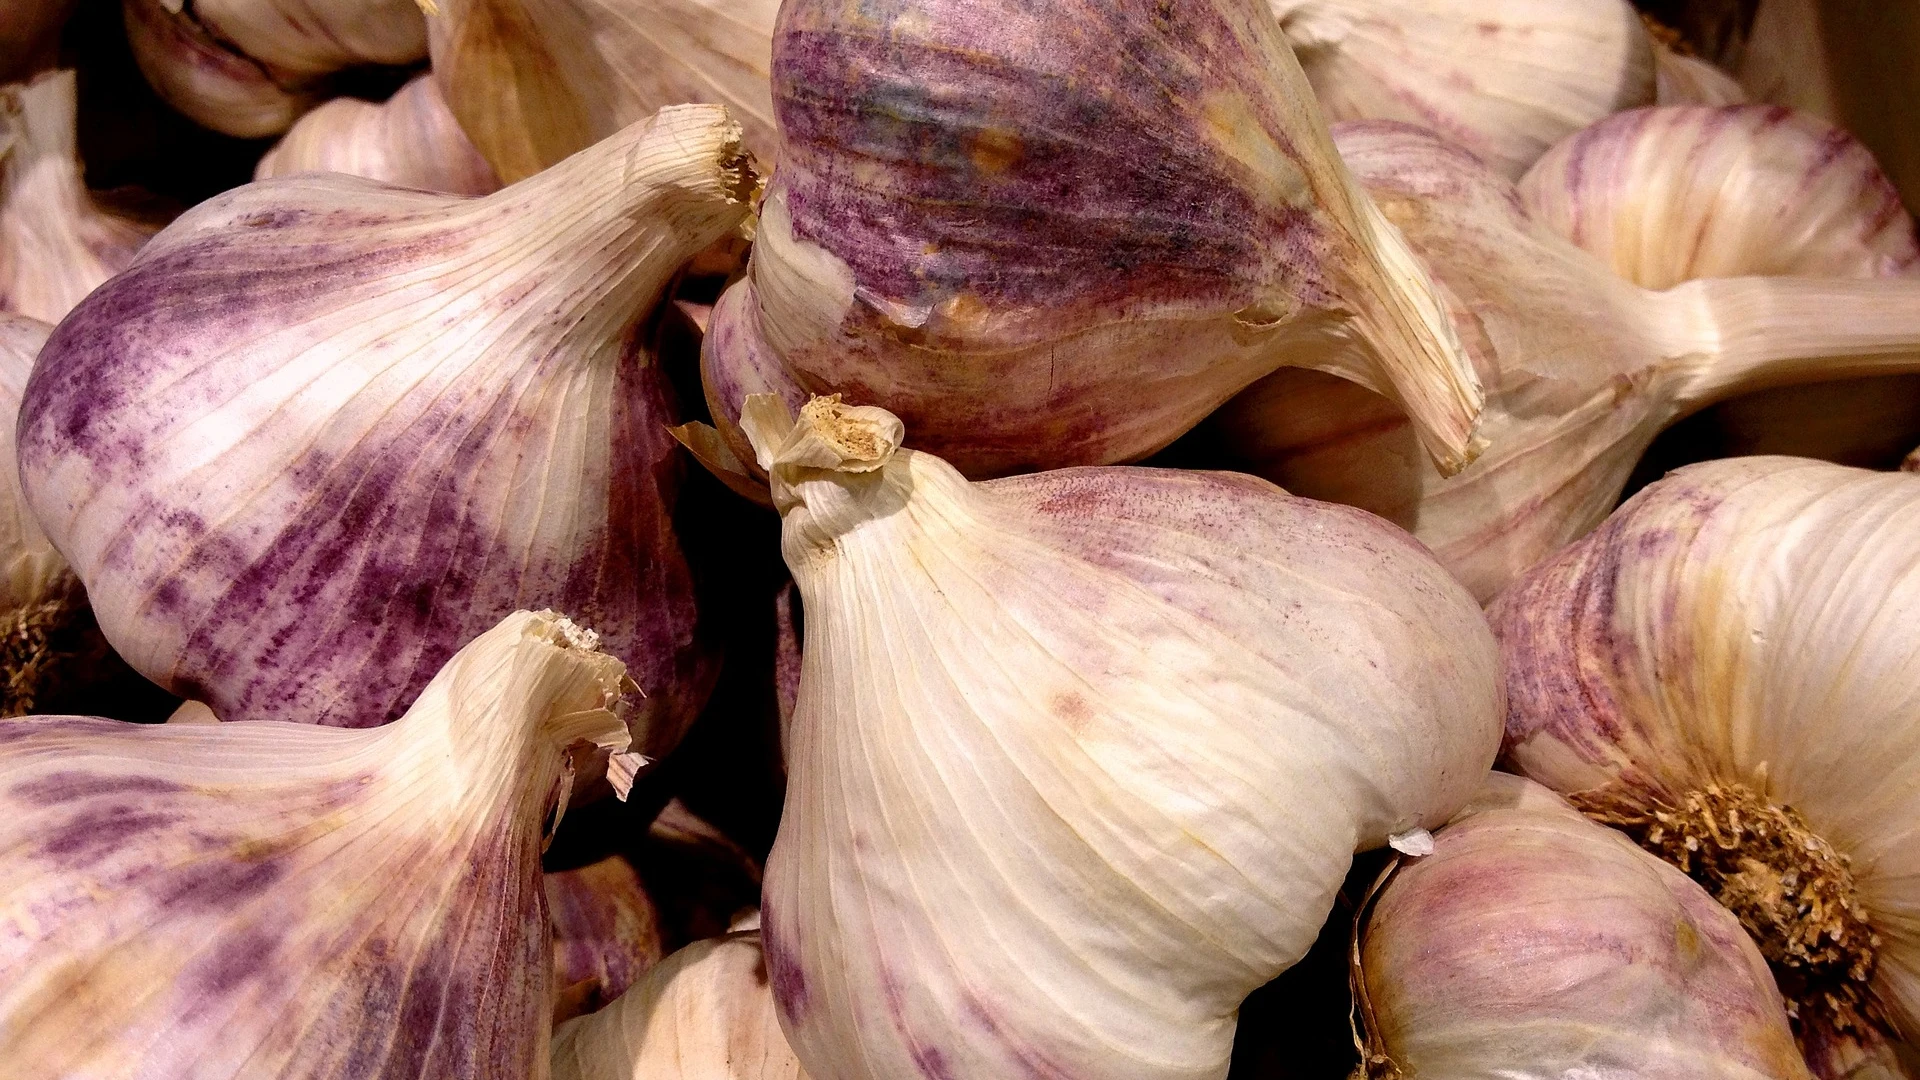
(292, 901)
(205, 79)
(535, 80)
(1534, 944)
(56, 245)
(324, 430)
(606, 933)
(1680, 79)
(706, 1013)
(410, 140)
(1081, 758)
(1744, 622)
(1505, 79)
(31, 571)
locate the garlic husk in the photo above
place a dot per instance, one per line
(535, 81)
(606, 934)
(1722, 670)
(205, 79)
(1582, 368)
(30, 36)
(324, 430)
(410, 140)
(1080, 758)
(1505, 80)
(290, 900)
(1681, 79)
(706, 1013)
(1533, 944)
(1037, 264)
(56, 244)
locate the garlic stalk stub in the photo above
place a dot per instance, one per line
(535, 80)
(1725, 670)
(1081, 758)
(1505, 80)
(56, 244)
(1533, 944)
(325, 430)
(1036, 259)
(1582, 369)
(705, 1014)
(410, 140)
(289, 900)
(606, 932)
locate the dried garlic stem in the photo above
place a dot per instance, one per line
(36, 640)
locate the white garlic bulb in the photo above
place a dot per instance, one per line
(1727, 669)
(706, 1013)
(535, 80)
(325, 430)
(1533, 944)
(1680, 79)
(410, 140)
(56, 244)
(1582, 368)
(294, 901)
(1504, 79)
(1080, 758)
(606, 934)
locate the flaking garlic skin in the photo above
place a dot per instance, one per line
(410, 140)
(324, 430)
(280, 901)
(1081, 758)
(1062, 234)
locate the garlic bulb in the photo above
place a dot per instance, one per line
(250, 67)
(535, 80)
(606, 933)
(410, 140)
(288, 900)
(705, 1014)
(1535, 945)
(30, 36)
(1724, 669)
(1081, 758)
(1680, 79)
(56, 245)
(1035, 263)
(1505, 79)
(1582, 368)
(324, 430)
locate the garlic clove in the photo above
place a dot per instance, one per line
(289, 900)
(1534, 944)
(1681, 79)
(1038, 263)
(606, 934)
(323, 430)
(705, 1014)
(1718, 670)
(410, 140)
(56, 244)
(30, 36)
(1081, 758)
(205, 79)
(534, 82)
(1505, 81)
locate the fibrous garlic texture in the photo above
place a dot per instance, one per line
(535, 80)
(250, 67)
(410, 140)
(1533, 944)
(1081, 758)
(1726, 670)
(288, 900)
(1038, 259)
(325, 430)
(1582, 368)
(706, 1013)
(56, 244)
(606, 932)
(1506, 80)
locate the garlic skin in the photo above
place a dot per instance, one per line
(325, 430)
(1732, 642)
(292, 901)
(706, 1013)
(1680, 79)
(1582, 368)
(31, 571)
(1081, 758)
(56, 244)
(1505, 80)
(975, 227)
(410, 140)
(1533, 944)
(535, 80)
(204, 79)
(606, 933)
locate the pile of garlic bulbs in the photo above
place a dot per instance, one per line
(947, 539)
